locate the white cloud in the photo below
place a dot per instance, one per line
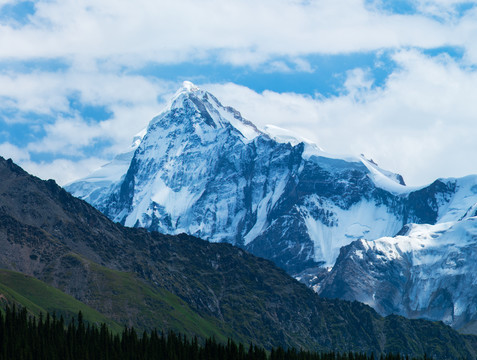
(67, 136)
(443, 9)
(39, 93)
(63, 171)
(49, 92)
(240, 32)
(466, 32)
(303, 66)
(131, 100)
(10, 151)
(422, 123)
(358, 83)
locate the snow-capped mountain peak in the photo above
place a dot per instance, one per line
(203, 169)
(192, 104)
(286, 136)
(188, 86)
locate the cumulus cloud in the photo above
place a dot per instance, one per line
(63, 171)
(240, 32)
(421, 123)
(10, 151)
(49, 92)
(131, 100)
(443, 9)
(67, 136)
(43, 103)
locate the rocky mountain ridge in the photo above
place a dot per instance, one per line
(151, 280)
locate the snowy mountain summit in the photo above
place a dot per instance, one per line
(202, 169)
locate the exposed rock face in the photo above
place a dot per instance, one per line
(427, 271)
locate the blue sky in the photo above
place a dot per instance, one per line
(395, 80)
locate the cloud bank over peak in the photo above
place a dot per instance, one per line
(393, 80)
(421, 123)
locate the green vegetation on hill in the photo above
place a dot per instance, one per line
(127, 299)
(120, 294)
(38, 297)
(25, 337)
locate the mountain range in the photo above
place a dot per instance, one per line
(342, 225)
(150, 280)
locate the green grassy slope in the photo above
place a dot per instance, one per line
(122, 298)
(38, 297)
(129, 300)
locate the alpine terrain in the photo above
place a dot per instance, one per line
(426, 271)
(202, 169)
(150, 280)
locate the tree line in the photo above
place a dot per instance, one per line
(25, 337)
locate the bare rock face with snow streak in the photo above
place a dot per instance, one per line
(426, 271)
(202, 169)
